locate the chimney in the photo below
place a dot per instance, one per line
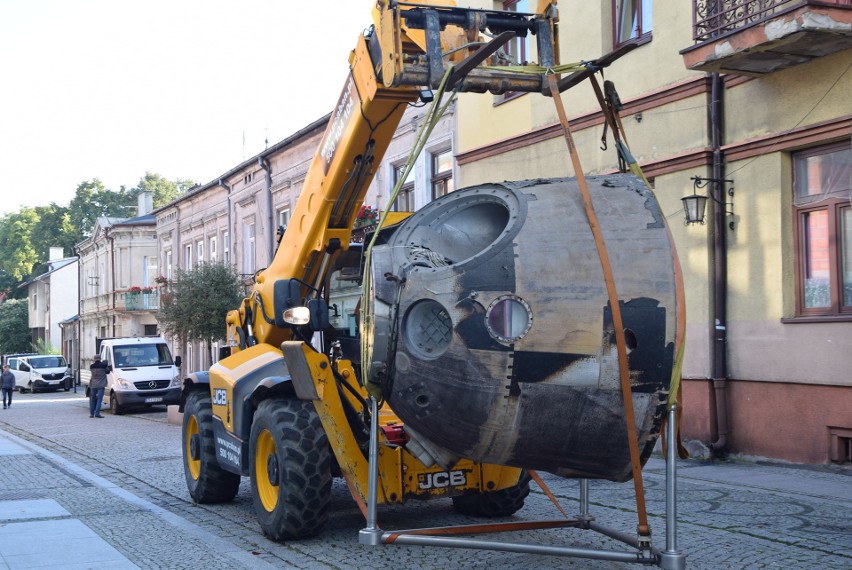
(56, 253)
(145, 202)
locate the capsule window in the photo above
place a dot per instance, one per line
(508, 319)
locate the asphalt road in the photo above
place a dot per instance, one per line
(122, 477)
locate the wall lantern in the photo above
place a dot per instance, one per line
(694, 205)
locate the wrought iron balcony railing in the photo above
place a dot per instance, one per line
(714, 18)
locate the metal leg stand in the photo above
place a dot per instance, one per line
(671, 558)
(372, 534)
(584, 517)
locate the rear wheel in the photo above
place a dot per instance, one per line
(502, 503)
(206, 480)
(290, 467)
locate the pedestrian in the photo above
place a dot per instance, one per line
(97, 383)
(7, 382)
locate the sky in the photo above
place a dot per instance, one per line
(186, 89)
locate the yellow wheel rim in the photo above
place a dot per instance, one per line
(194, 465)
(267, 490)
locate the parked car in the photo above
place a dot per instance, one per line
(40, 372)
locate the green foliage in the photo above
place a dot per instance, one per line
(14, 327)
(196, 301)
(42, 347)
(17, 253)
(92, 201)
(163, 191)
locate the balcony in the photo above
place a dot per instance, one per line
(141, 301)
(756, 37)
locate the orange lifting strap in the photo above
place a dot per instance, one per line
(621, 345)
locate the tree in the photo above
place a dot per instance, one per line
(194, 305)
(17, 254)
(163, 191)
(15, 327)
(93, 200)
(52, 229)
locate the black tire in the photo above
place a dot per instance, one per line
(502, 503)
(290, 468)
(115, 408)
(206, 480)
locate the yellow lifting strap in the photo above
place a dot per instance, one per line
(433, 115)
(613, 119)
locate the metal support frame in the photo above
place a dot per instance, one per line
(669, 559)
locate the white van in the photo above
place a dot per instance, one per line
(141, 372)
(40, 372)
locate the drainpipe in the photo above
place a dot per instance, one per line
(76, 353)
(227, 188)
(111, 241)
(271, 215)
(720, 255)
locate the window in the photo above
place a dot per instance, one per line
(213, 252)
(822, 201)
(187, 257)
(283, 217)
(150, 330)
(249, 259)
(517, 51)
(226, 247)
(405, 199)
(199, 247)
(169, 264)
(442, 173)
(150, 269)
(631, 20)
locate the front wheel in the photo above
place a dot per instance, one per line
(290, 468)
(502, 503)
(114, 407)
(206, 480)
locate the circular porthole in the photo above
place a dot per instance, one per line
(428, 329)
(508, 319)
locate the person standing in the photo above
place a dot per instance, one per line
(7, 383)
(97, 384)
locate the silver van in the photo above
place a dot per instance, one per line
(40, 372)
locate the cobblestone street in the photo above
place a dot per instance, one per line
(114, 488)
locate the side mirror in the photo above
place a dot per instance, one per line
(286, 294)
(24, 367)
(178, 360)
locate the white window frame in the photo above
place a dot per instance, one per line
(213, 249)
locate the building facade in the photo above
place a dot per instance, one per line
(52, 298)
(235, 219)
(117, 283)
(754, 97)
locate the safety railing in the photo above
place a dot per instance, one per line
(714, 18)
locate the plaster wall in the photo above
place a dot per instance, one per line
(63, 300)
(786, 421)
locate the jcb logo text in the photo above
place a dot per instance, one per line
(220, 397)
(441, 480)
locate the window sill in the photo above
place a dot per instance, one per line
(641, 40)
(508, 96)
(817, 319)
